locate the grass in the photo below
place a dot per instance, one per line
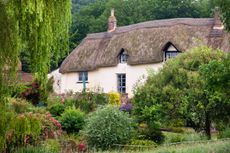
(171, 137)
(218, 146)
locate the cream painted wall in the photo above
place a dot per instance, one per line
(106, 78)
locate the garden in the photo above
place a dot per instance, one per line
(183, 107)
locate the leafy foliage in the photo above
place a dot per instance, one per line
(114, 98)
(72, 120)
(28, 25)
(179, 94)
(57, 109)
(108, 126)
(87, 101)
(224, 6)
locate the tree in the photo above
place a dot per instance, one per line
(40, 27)
(181, 94)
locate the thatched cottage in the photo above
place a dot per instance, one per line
(116, 59)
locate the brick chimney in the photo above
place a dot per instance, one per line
(112, 22)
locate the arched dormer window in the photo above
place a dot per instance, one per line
(123, 56)
(170, 51)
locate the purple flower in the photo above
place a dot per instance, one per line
(126, 107)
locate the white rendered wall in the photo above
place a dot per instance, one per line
(106, 78)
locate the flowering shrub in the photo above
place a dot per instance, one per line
(51, 127)
(127, 107)
(32, 93)
(25, 129)
(114, 98)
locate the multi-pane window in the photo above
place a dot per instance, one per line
(123, 57)
(121, 83)
(170, 52)
(83, 75)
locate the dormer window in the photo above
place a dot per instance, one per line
(123, 56)
(170, 51)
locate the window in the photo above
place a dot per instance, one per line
(170, 51)
(83, 75)
(123, 56)
(121, 83)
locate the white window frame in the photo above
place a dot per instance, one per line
(121, 82)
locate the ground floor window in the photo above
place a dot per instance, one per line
(83, 76)
(121, 83)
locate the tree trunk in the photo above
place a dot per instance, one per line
(207, 125)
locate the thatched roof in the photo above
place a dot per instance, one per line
(144, 43)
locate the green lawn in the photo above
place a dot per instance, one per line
(220, 146)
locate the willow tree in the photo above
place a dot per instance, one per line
(40, 27)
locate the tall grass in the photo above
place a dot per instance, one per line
(206, 147)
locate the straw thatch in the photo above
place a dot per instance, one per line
(144, 43)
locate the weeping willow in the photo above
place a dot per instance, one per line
(40, 27)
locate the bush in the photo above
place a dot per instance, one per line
(48, 146)
(32, 93)
(127, 107)
(52, 146)
(114, 98)
(107, 126)
(5, 124)
(171, 137)
(87, 101)
(151, 133)
(51, 127)
(57, 109)
(19, 105)
(72, 120)
(143, 143)
(225, 133)
(25, 129)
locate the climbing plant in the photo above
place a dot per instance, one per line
(39, 27)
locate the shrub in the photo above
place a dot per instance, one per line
(51, 127)
(5, 124)
(25, 129)
(225, 133)
(153, 134)
(114, 98)
(32, 93)
(127, 107)
(107, 126)
(57, 109)
(52, 146)
(19, 105)
(48, 146)
(87, 101)
(143, 143)
(171, 137)
(72, 120)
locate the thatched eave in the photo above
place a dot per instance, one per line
(144, 43)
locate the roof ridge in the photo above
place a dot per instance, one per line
(154, 24)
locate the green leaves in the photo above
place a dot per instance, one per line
(189, 88)
(38, 27)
